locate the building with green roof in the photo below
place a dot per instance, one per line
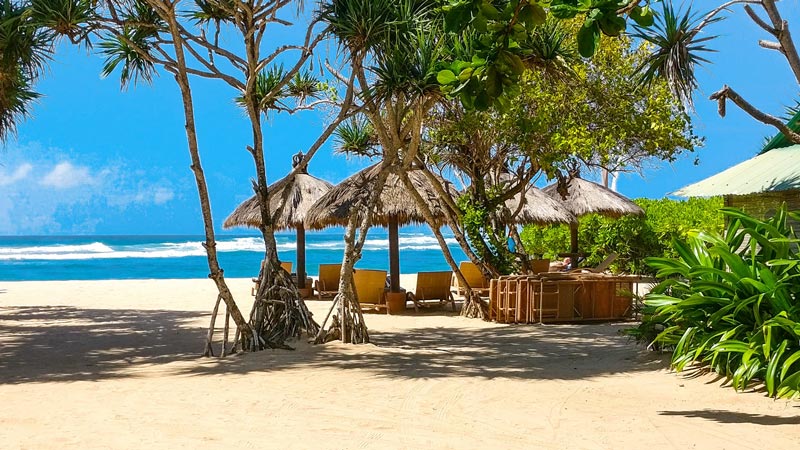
(759, 185)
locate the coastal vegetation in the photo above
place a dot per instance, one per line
(633, 238)
(730, 303)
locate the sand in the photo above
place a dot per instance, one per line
(114, 364)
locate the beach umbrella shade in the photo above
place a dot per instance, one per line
(585, 197)
(396, 207)
(300, 192)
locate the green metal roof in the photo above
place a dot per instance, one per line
(775, 170)
(779, 140)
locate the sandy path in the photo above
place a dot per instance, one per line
(114, 365)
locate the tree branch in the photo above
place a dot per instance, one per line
(759, 21)
(771, 45)
(784, 36)
(726, 93)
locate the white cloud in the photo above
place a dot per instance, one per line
(19, 173)
(46, 191)
(65, 175)
(162, 195)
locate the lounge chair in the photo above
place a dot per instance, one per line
(602, 267)
(285, 265)
(327, 284)
(432, 286)
(474, 277)
(370, 289)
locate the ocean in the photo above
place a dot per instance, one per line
(141, 257)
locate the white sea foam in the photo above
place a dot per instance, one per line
(99, 250)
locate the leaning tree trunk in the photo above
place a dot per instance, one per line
(474, 306)
(216, 273)
(279, 313)
(348, 325)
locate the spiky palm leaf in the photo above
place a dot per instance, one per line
(304, 85)
(677, 48)
(25, 49)
(356, 137)
(16, 96)
(409, 70)
(22, 42)
(550, 47)
(213, 11)
(70, 18)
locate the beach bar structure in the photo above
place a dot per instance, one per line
(296, 194)
(561, 297)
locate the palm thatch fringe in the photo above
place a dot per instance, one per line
(334, 207)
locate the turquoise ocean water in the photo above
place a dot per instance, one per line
(138, 257)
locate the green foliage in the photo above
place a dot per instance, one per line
(489, 241)
(503, 28)
(632, 238)
(24, 51)
(732, 304)
(129, 49)
(356, 136)
(677, 46)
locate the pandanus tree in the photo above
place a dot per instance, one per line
(24, 51)
(395, 50)
(390, 50)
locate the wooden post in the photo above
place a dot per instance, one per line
(394, 255)
(573, 238)
(301, 257)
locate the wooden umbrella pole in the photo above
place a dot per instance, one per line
(301, 257)
(394, 254)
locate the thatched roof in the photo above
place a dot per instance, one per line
(302, 192)
(585, 197)
(539, 208)
(334, 207)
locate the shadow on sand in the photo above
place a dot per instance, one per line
(63, 343)
(58, 343)
(722, 416)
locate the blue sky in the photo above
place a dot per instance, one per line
(97, 160)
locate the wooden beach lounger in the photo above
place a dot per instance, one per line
(474, 277)
(370, 289)
(328, 282)
(602, 267)
(432, 286)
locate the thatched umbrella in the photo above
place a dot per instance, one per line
(538, 207)
(395, 207)
(303, 191)
(585, 197)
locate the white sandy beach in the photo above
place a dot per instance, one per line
(115, 364)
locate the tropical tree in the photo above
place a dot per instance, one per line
(25, 49)
(678, 44)
(566, 109)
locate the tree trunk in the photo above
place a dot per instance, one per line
(216, 273)
(279, 313)
(474, 306)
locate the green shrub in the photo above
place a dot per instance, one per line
(632, 238)
(731, 304)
